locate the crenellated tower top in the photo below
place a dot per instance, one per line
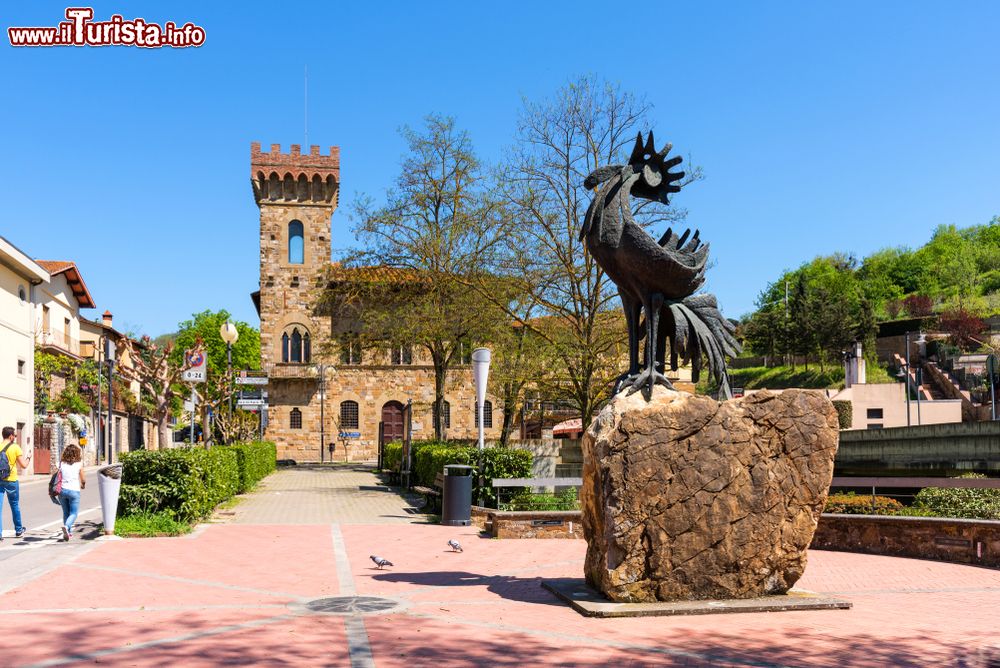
(294, 176)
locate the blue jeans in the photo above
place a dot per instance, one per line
(13, 491)
(70, 501)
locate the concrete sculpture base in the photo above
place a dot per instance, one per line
(590, 603)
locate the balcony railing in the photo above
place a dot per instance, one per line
(288, 370)
(58, 340)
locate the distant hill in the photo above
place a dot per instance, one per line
(164, 339)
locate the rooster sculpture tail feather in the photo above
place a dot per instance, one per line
(701, 330)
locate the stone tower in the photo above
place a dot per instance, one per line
(297, 194)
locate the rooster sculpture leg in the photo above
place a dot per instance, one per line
(632, 310)
(650, 376)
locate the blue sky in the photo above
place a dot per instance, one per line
(845, 126)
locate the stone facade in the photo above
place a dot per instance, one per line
(293, 189)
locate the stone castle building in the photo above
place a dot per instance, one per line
(322, 388)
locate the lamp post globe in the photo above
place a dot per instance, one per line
(229, 334)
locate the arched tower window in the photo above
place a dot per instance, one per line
(295, 419)
(296, 345)
(296, 243)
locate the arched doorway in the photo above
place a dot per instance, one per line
(392, 422)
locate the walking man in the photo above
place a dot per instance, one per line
(10, 460)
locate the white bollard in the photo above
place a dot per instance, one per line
(109, 483)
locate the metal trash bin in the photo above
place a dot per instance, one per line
(109, 482)
(456, 501)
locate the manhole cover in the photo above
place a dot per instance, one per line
(351, 605)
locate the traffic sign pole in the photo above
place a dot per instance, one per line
(192, 414)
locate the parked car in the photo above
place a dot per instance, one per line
(183, 435)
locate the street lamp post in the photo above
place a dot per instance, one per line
(322, 412)
(907, 380)
(109, 356)
(481, 358)
(229, 334)
(921, 339)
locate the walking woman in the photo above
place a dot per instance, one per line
(73, 481)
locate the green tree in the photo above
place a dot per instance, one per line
(951, 260)
(202, 331)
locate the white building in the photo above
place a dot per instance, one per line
(58, 304)
(20, 279)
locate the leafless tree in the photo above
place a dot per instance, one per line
(587, 124)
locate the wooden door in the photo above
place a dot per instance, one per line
(392, 421)
(41, 458)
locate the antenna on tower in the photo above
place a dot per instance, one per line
(305, 105)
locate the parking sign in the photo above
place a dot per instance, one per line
(197, 364)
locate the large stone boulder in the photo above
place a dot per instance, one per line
(685, 497)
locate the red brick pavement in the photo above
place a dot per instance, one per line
(233, 594)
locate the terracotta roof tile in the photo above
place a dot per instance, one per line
(376, 273)
(54, 266)
(73, 278)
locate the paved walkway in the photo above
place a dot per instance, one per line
(238, 593)
(326, 494)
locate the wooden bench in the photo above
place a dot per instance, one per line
(432, 495)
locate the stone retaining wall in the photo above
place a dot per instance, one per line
(536, 524)
(941, 539)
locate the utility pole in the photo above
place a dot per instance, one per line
(786, 322)
(322, 414)
(100, 395)
(109, 356)
(906, 380)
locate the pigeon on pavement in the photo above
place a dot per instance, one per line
(455, 545)
(380, 562)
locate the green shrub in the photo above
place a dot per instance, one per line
(255, 460)
(430, 458)
(845, 413)
(392, 456)
(526, 500)
(143, 499)
(966, 503)
(151, 524)
(503, 463)
(186, 482)
(854, 504)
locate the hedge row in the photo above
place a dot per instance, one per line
(845, 413)
(968, 503)
(255, 461)
(983, 504)
(188, 483)
(430, 458)
(853, 504)
(392, 456)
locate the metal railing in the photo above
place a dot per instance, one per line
(60, 340)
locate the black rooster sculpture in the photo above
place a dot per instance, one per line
(658, 279)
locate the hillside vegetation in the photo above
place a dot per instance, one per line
(818, 310)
